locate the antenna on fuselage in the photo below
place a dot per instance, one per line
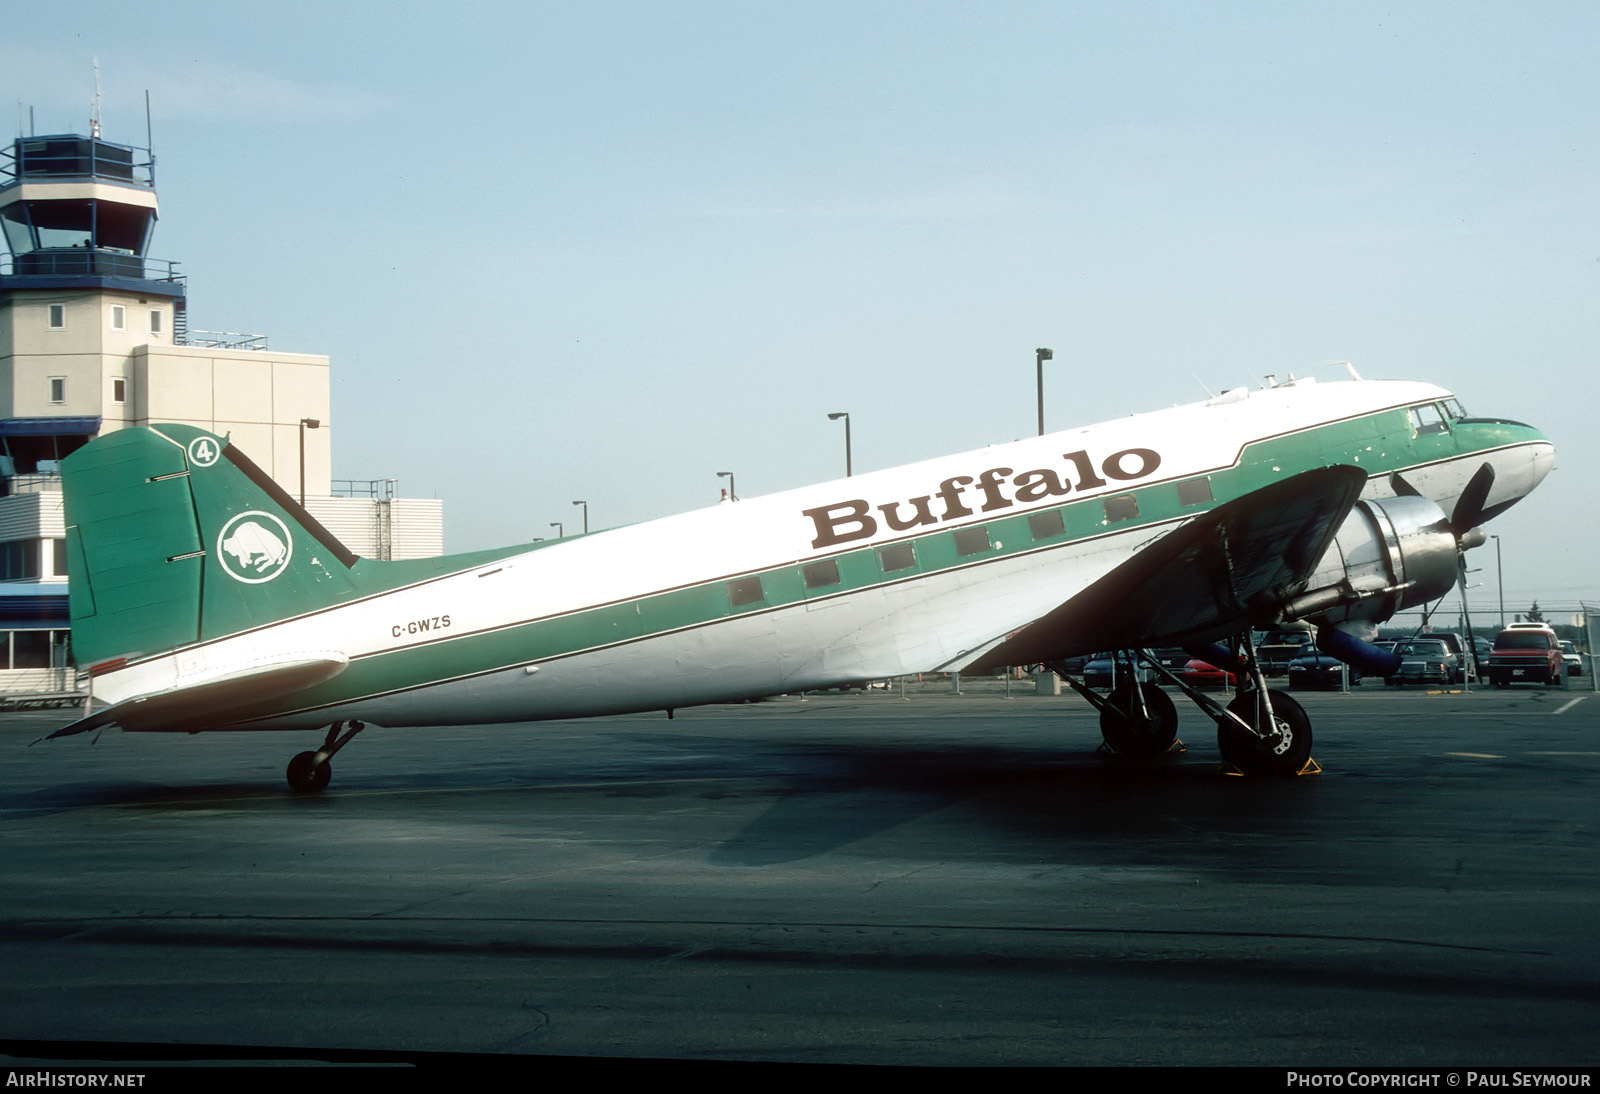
(1209, 393)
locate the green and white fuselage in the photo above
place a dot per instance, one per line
(233, 611)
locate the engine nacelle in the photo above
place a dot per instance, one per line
(1389, 554)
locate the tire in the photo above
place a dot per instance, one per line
(1135, 736)
(1255, 756)
(306, 776)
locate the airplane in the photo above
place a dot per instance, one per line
(203, 597)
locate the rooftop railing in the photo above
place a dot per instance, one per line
(74, 156)
(98, 262)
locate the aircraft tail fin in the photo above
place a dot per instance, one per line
(174, 536)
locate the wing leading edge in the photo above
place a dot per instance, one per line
(1204, 580)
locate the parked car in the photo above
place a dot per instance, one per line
(1202, 674)
(1425, 661)
(1525, 653)
(1569, 657)
(1315, 669)
(1098, 672)
(1277, 648)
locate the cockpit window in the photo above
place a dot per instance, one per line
(1428, 418)
(1454, 410)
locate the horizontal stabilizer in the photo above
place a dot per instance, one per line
(1206, 579)
(207, 701)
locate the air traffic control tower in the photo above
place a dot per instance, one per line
(94, 337)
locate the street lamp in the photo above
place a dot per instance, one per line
(846, 417)
(585, 515)
(1040, 356)
(305, 424)
(732, 494)
(561, 533)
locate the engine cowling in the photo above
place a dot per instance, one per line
(1389, 554)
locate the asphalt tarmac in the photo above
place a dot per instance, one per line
(858, 878)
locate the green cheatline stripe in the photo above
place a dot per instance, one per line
(1379, 443)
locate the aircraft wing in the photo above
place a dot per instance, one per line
(206, 702)
(1204, 580)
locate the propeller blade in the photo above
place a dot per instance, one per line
(1402, 488)
(1470, 506)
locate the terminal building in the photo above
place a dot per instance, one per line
(94, 337)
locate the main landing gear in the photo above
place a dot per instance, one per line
(1261, 732)
(309, 772)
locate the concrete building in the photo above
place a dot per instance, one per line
(94, 336)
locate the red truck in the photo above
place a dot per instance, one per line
(1525, 653)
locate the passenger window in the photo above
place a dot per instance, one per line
(1194, 492)
(1046, 525)
(819, 575)
(745, 590)
(972, 541)
(1121, 507)
(897, 556)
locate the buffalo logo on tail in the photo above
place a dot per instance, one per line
(254, 547)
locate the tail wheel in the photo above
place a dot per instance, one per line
(1284, 751)
(1142, 733)
(306, 776)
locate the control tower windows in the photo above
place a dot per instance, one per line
(58, 317)
(58, 389)
(119, 317)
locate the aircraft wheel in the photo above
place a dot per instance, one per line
(1140, 734)
(1285, 755)
(306, 776)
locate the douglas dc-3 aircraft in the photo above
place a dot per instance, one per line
(204, 598)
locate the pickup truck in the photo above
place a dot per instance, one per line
(1525, 654)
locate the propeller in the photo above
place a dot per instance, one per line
(1470, 511)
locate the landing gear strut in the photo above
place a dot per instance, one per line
(309, 772)
(1262, 732)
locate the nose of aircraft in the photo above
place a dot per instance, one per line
(1518, 469)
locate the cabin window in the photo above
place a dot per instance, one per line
(1047, 524)
(819, 575)
(1121, 507)
(1427, 419)
(972, 541)
(119, 317)
(897, 556)
(1194, 492)
(58, 317)
(745, 590)
(58, 389)
(119, 390)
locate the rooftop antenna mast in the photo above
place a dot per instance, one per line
(94, 104)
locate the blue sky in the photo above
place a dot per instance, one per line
(605, 250)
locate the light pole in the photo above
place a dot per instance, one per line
(585, 515)
(1040, 356)
(846, 416)
(733, 495)
(1499, 580)
(561, 533)
(305, 424)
